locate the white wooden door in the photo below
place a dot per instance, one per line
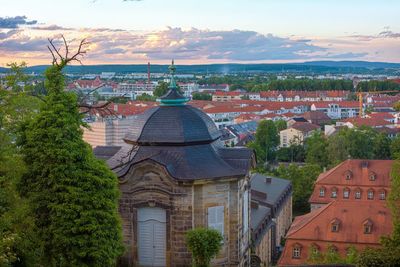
(152, 236)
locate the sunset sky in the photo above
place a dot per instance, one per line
(201, 32)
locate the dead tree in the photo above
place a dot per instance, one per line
(62, 57)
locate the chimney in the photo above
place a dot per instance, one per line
(148, 72)
(364, 169)
(268, 180)
(258, 194)
(254, 204)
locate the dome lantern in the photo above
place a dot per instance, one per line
(173, 97)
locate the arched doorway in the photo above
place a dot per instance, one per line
(152, 233)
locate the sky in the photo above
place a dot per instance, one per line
(202, 32)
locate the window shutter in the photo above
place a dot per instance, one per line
(216, 218)
(245, 211)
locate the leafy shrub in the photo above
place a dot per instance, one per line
(204, 244)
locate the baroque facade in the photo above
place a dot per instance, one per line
(175, 175)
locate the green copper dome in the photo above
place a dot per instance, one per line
(173, 97)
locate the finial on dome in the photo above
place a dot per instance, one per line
(173, 97)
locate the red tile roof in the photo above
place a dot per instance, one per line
(314, 228)
(305, 127)
(371, 122)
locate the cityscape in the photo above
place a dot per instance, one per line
(199, 135)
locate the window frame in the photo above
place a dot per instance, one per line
(346, 191)
(296, 252)
(370, 194)
(334, 192)
(356, 193)
(322, 190)
(382, 193)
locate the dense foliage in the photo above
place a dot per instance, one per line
(145, 97)
(16, 106)
(331, 256)
(378, 86)
(204, 244)
(72, 195)
(266, 141)
(201, 96)
(302, 178)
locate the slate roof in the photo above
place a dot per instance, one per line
(270, 197)
(172, 125)
(185, 163)
(275, 190)
(105, 152)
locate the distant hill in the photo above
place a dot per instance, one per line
(353, 64)
(312, 67)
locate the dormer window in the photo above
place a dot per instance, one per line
(372, 177)
(348, 175)
(335, 224)
(370, 194)
(382, 195)
(296, 251)
(357, 195)
(334, 192)
(322, 192)
(367, 226)
(346, 193)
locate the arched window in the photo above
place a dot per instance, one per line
(370, 194)
(382, 194)
(322, 192)
(367, 226)
(335, 225)
(334, 192)
(357, 194)
(372, 176)
(346, 193)
(296, 251)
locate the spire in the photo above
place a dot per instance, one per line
(173, 97)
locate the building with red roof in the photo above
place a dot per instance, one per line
(348, 209)
(297, 133)
(227, 96)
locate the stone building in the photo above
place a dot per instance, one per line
(271, 215)
(174, 175)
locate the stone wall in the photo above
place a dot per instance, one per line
(186, 204)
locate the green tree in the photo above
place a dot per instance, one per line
(17, 78)
(73, 196)
(145, 97)
(280, 125)
(302, 179)
(381, 146)
(161, 89)
(316, 150)
(204, 244)
(266, 140)
(395, 147)
(16, 107)
(314, 255)
(201, 96)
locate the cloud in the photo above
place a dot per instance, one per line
(389, 34)
(51, 28)
(15, 22)
(194, 45)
